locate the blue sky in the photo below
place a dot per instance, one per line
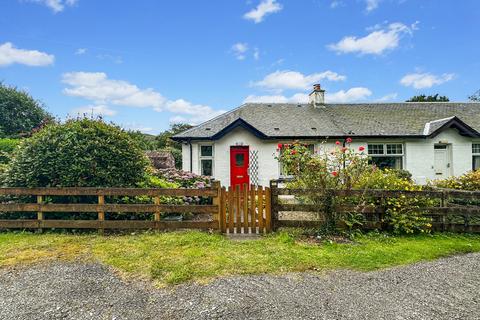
(146, 63)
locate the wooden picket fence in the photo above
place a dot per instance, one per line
(245, 210)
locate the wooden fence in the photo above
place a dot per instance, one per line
(156, 208)
(447, 215)
(245, 210)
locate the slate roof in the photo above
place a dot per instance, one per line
(280, 120)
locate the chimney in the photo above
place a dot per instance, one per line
(317, 97)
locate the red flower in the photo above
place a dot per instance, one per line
(280, 146)
(334, 173)
(361, 148)
(349, 140)
(337, 143)
(294, 151)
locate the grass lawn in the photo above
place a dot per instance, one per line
(171, 258)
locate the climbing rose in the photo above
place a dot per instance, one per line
(337, 143)
(361, 148)
(280, 146)
(334, 173)
(349, 140)
(294, 151)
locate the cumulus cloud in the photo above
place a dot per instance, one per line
(239, 49)
(286, 79)
(98, 88)
(95, 110)
(10, 55)
(265, 8)
(351, 95)
(56, 5)
(425, 80)
(376, 42)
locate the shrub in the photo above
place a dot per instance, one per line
(80, 153)
(468, 181)
(7, 146)
(403, 214)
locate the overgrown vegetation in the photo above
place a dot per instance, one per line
(429, 98)
(164, 141)
(176, 257)
(79, 153)
(343, 168)
(468, 181)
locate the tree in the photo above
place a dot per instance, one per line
(20, 113)
(475, 97)
(425, 98)
(165, 142)
(80, 153)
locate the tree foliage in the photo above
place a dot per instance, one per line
(19, 112)
(475, 97)
(165, 142)
(81, 152)
(425, 98)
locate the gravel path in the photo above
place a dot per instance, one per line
(444, 289)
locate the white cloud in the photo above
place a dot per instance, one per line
(56, 5)
(95, 110)
(10, 55)
(80, 51)
(351, 95)
(286, 79)
(388, 97)
(376, 42)
(265, 7)
(239, 49)
(425, 80)
(98, 88)
(371, 5)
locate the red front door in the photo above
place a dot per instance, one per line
(239, 166)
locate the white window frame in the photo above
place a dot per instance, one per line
(475, 154)
(385, 154)
(201, 158)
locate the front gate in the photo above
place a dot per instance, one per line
(245, 210)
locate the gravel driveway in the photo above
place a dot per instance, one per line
(444, 289)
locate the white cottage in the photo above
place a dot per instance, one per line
(430, 140)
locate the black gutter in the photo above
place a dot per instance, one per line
(191, 154)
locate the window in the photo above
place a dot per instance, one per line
(386, 155)
(476, 156)
(239, 159)
(206, 160)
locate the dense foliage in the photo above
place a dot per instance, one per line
(20, 113)
(425, 98)
(344, 168)
(7, 146)
(467, 181)
(164, 141)
(81, 152)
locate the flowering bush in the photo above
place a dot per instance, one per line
(402, 214)
(344, 168)
(468, 181)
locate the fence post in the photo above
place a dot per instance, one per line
(156, 201)
(101, 214)
(268, 209)
(216, 202)
(273, 203)
(40, 215)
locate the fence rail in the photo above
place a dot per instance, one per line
(375, 213)
(156, 208)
